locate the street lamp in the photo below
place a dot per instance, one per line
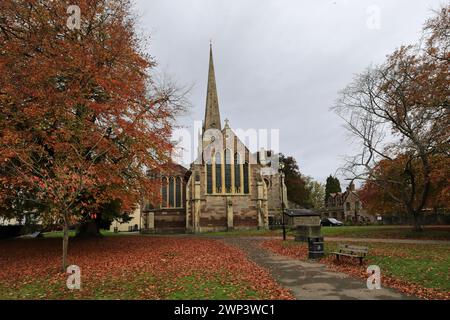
(282, 198)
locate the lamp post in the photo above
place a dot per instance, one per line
(282, 198)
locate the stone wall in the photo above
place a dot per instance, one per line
(221, 212)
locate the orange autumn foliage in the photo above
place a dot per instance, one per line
(80, 111)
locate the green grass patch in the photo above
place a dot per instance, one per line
(137, 286)
(374, 231)
(105, 233)
(216, 288)
(427, 265)
(387, 232)
(134, 286)
(252, 233)
(244, 233)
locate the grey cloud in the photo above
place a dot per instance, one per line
(279, 64)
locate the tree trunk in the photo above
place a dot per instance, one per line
(417, 222)
(65, 243)
(88, 229)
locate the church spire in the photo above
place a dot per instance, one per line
(212, 113)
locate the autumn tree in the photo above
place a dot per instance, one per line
(81, 113)
(399, 112)
(382, 196)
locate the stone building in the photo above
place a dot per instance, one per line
(227, 187)
(170, 214)
(346, 206)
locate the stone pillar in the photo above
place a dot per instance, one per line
(151, 221)
(197, 204)
(230, 214)
(260, 205)
(188, 207)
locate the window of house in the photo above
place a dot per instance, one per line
(347, 205)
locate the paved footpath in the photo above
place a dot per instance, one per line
(308, 280)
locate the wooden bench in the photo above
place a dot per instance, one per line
(352, 252)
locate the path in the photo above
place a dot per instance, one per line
(309, 280)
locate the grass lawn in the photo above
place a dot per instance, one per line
(106, 233)
(133, 267)
(377, 232)
(245, 233)
(417, 267)
(425, 265)
(387, 232)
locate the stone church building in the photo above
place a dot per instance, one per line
(226, 188)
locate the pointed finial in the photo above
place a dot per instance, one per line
(226, 123)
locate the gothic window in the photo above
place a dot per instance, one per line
(164, 192)
(209, 183)
(218, 165)
(347, 205)
(171, 192)
(246, 184)
(178, 192)
(237, 172)
(228, 164)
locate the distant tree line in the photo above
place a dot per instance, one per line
(301, 190)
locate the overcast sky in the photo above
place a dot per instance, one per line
(280, 63)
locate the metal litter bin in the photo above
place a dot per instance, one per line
(315, 247)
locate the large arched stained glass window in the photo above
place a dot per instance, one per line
(237, 172)
(218, 168)
(178, 192)
(171, 192)
(228, 165)
(163, 192)
(246, 184)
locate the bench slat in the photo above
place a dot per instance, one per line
(351, 248)
(347, 254)
(355, 251)
(347, 250)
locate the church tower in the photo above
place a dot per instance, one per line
(212, 113)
